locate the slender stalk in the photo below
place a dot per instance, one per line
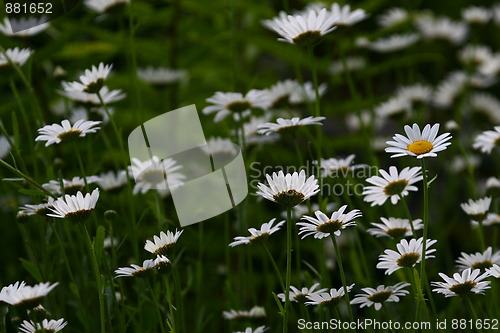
(80, 164)
(273, 262)
(95, 267)
(408, 215)
(480, 233)
(473, 313)
(170, 305)
(157, 306)
(288, 266)
(342, 275)
(425, 220)
(27, 178)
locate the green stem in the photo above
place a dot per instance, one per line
(342, 275)
(26, 177)
(80, 164)
(170, 306)
(157, 306)
(470, 307)
(425, 220)
(480, 233)
(95, 266)
(408, 215)
(288, 266)
(276, 269)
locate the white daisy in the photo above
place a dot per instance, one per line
(301, 210)
(56, 133)
(4, 146)
(300, 296)
(338, 167)
(23, 27)
(278, 96)
(148, 266)
(391, 185)
(255, 312)
(155, 174)
(393, 16)
(393, 107)
(163, 244)
(111, 181)
(449, 89)
(102, 6)
(486, 104)
(92, 80)
(380, 295)
(252, 137)
(442, 28)
(490, 68)
(394, 227)
(462, 284)
(160, 76)
(162, 263)
(16, 56)
(493, 186)
(367, 117)
(416, 93)
(479, 260)
(82, 113)
(290, 189)
(491, 219)
(231, 103)
(328, 298)
(475, 55)
(420, 145)
(71, 186)
(20, 294)
(220, 146)
(476, 15)
(496, 13)
(408, 254)
(393, 43)
(323, 226)
(487, 140)
(494, 271)
(288, 125)
(260, 329)
(477, 209)
(75, 207)
(39, 209)
(266, 229)
(304, 29)
(351, 64)
(306, 93)
(45, 326)
(108, 96)
(344, 16)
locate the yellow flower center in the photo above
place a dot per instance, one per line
(463, 288)
(420, 147)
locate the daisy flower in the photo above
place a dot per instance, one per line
(344, 16)
(391, 185)
(475, 55)
(45, 326)
(442, 28)
(102, 6)
(393, 16)
(394, 227)
(323, 226)
(92, 80)
(290, 189)
(265, 231)
(420, 145)
(393, 107)
(415, 94)
(160, 76)
(306, 93)
(220, 146)
(16, 56)
(338, 167)
(231, 103)
(251, 136)
(23, 27)
(486, 104)
(351, 64)
(76, 208)
(300, 296)
(304, 29)
(108, 96)
(20, 294)
(487, 140)
(155, 174)
(408, 254)
(278, 96)
(163, 244)
(148, 266)
(476, 15)
(449, 89)
(255, 312)
(260, 329)
(288, 125)
(39, 209)
(71, 186)
(380, 295)
(111, 181)
(479, 260)
(462, 284)
(478, 209)
(301, 210)
(393, 43)
(328, 298)
(494, 271)
(56, 133)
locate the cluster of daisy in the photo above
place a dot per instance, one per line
(29, 299)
